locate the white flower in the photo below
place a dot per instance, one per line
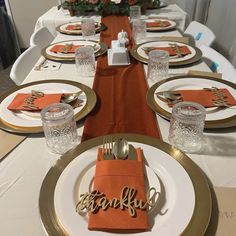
(116, 1)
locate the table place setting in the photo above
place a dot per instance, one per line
(81, 195)
(20, 108)
(217, 96)
(74, 28)
(65, 50)
(180, 53)
(155, 25)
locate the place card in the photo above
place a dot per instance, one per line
(205, 73)
(223, 217)
(175, 39)
(9, 142)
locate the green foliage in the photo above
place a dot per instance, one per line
(110, 8)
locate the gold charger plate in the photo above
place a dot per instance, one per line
(209, 124)
(100, 27)
(91, 102)
(195, 58)
(160, 29)
(101, 51)
(202, 211)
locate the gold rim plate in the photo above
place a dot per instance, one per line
(212, 124)
(91, 102)
(101, 51)
(98, 29)
(160, 29)
(202, 210)
(195, 58)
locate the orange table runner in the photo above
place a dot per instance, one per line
(121, 92)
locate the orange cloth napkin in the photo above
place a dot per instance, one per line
(205, 97)
(158, 24)
(111, 177)
(184, 50)
(64, 48)
(73, 27)
(36, 103)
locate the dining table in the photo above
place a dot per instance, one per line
(54, 17)
(23, 170)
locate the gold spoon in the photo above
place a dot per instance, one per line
(68, 98)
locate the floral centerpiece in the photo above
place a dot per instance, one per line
(106, 7)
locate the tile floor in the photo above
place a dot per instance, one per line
(5, 82)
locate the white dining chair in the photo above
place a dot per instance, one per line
(218, 63)
(42, 37)
(201, 34)
(24, 63)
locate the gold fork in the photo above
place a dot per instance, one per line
(107, 148)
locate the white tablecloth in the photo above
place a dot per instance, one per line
(23, 170)
(54, 17)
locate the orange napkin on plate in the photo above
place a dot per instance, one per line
(30, 102)
(73, 27)
(205, 97)
(65, 48)
(111, 177)
(184, 50)
(158, 24)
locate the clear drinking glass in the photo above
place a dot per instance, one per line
(139, 30)
(59, 127)
(85, 61)
(186, 126)
(88, 28)
(134, 12)
(158, 65)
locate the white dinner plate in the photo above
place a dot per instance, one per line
(63, 28)
(212, 114)
(59, 55)
(142, 53)
(175, 208)
(171, 26)
(29, 119)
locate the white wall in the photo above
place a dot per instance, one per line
(25, 14)
(222, 20)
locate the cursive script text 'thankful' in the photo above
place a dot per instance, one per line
(96, 200)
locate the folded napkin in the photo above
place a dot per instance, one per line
(183, 50)
(111, 177)
(208, 98)
(73, 27)
(34, 101)
(68, 48)
(158, 24)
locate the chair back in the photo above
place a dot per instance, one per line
(201, 34)
(218, 63)
(24, 63)
(42, 37)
